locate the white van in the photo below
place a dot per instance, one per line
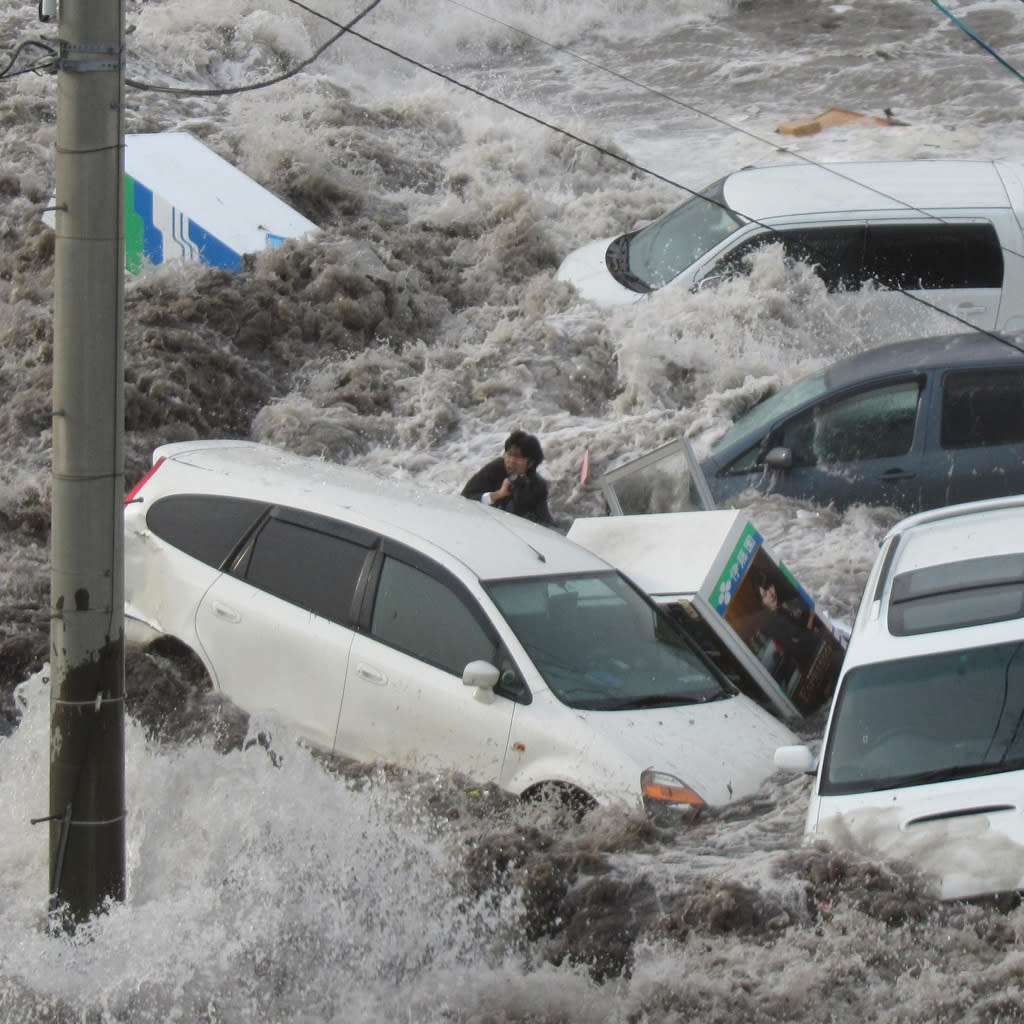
(923, 754)
(946, 231)
(389, 623)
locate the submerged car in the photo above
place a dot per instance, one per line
(389, 623)
(913, 425)
(946, 231)
(923, 753)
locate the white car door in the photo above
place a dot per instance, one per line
(276, 628)
(405, 701)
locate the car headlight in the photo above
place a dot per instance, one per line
(665, 796)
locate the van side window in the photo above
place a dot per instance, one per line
(877, 423)
(205, 526)
(934, 256)
(307, 567)
(982, 407)
(927, 255)
(835, 253)
(424, 617)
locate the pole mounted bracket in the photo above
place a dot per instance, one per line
(90, 58)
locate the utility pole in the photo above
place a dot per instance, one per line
(87, 777)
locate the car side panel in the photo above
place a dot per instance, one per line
(163, 585)
(399, 709)
(262, 647)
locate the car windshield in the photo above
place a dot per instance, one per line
(772, 408)
(601, 645)
(927, 719)
(660, 252)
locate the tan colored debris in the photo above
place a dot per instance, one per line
(831, 118)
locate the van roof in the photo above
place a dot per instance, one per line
(971, 349)
(789, 190)
(492, 544)
(976, 533)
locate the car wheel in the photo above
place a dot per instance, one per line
(169, 693)
(563, 796)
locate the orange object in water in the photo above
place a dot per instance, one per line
(832, 117)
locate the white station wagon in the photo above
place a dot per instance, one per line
(389, 623)
(923, 754)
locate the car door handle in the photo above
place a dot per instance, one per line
(371, 675)
(222, 611)
(897, 474)
(968, 308)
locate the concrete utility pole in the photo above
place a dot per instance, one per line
(87, 779)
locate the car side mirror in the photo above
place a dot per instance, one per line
(481, 674)
(798, 759)
(779, 458)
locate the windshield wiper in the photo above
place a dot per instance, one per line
(659, 700)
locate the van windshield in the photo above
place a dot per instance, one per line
(601, 645)
(654, 255)
(927, 719)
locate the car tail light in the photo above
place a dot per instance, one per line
(133, 493)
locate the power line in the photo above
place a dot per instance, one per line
(981, 42)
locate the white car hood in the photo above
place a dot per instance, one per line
(723, 750)
(586, 269)
(967, 836)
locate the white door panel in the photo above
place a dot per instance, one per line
(399, 709)
(270, 654)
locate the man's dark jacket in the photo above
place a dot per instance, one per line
(529, 497)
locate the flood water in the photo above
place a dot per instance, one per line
(419, 328)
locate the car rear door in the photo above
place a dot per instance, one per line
(277, 627)
(405, 701)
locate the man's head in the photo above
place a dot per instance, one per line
(766, 589)
(522, 452)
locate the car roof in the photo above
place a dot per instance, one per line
(975, 348)
(990, 529)
(789, 190)
(491, 543)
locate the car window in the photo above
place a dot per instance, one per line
(205, 526)
(665, 248)
(423, 616)
(982, 407)
(835, 253)
(926, 718)
(934, 256)
(601, 645)
(876, 423)
(957, 594)
(773, 407)
(308, 567)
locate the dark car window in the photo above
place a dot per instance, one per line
(205, 526)
(982, 407)
(835, 253)
(930, 255)
(876, 423)
(933, 255)
(311, 568)
(424, 617)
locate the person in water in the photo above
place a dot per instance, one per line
(512, 483)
